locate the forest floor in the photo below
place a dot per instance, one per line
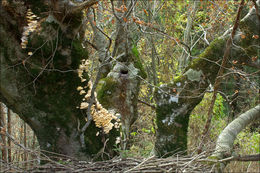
(176, 163)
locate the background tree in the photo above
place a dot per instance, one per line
(3, 138)
(184, 59)
(9, 130)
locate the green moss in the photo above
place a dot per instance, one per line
(53, 98)
(105, 90)
(213, 52)
(178, 78)
(174, 132)
(59, 104)
(172, 127)
(165, 111)
(58, 94)
(47, 49)
(38, 41)
(78, 51)
(207, 60)
(94, 143)
(162, 113)
(138, 63)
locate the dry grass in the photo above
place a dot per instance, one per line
(236, 166)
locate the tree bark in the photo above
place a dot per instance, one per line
(224, 145)
(2, 131)
(25, 154)
(119, 89)
(9, 130)
(225, 141)
(176, 101)
(41, 88)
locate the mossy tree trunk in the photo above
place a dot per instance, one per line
(176, 101)
(119, 89)
(41, 86)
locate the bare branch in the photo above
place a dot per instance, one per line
(147, 104)
(75, 7)
(218, 79)
(256, 9)
(226, 138)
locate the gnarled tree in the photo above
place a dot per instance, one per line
(176, 100)
(39, 74)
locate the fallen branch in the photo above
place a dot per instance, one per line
(245, 158)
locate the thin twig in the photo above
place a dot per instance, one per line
(139, 164)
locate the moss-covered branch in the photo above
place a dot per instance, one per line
(176, 100)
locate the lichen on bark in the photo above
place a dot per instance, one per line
(138, 63)
(119, 90)
(189, 92)
(106, 88)
(176, 100)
